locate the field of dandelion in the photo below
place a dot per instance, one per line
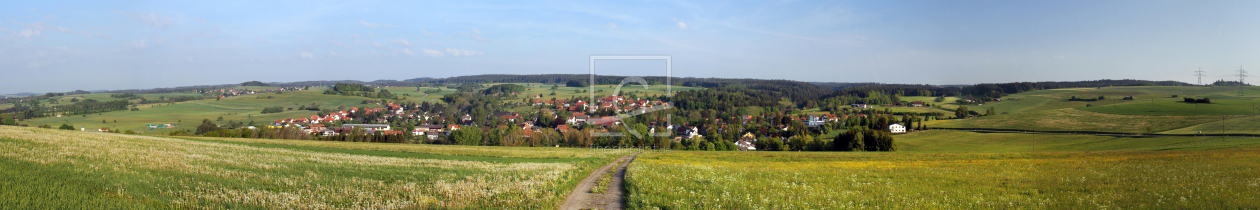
(44, 168)
(1215, 179)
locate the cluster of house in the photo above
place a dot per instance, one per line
(911, 104)
(970, 99)
(617, 103)
(157, 126)
(224, 93)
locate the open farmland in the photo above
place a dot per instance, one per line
(244, 108)
(1241, 125)
(1077, 120)
(966, 141)
(1217, 179)
(76, 170)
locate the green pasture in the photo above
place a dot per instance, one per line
(1216, 179)
(1240, 125)
(1177, 107)
(44, 168)
(967, 141)
(918, 110)
(190, 113)
(1078, 120)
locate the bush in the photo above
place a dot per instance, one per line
(1205, 100)
(269, 110)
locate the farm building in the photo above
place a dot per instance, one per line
(896, 128)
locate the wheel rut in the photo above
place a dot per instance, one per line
(583, 197)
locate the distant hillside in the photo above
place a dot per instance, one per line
(794, 89)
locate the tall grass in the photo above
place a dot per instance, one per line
(128, 171)
(1221, 179)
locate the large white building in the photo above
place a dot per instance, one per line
(897, 128)
(368, 127)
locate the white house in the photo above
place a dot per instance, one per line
(896, 128)
(369, 127)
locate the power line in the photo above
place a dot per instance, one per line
(1200, 74)
(1241, 74)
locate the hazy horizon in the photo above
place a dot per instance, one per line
(61, 46)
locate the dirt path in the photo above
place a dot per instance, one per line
(582, 198)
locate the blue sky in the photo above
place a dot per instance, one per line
(58, 46)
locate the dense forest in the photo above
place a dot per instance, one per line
(88, 106)
(346, 89)
(503, 88)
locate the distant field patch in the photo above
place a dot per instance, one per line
(1078, 120)
(1241, 125)
(1217, 107)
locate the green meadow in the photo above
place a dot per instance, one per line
(45, 168)
(244, 108)
(967, 141)
(1240, 125)
(1214, 179)
(1152, 107)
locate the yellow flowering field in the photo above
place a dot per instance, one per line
(1215, 179)
(46, 168)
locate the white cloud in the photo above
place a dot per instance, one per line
(143, 43)
(35, 31)
(401, 41)
(376, 44)
(426, 32)
(308, 55)
(459, 52)
(408, 52)
(432, 53)
(29, 34)
(613, 26)
(151, 19)
(376, 25)
(475, 35)
(682, 25)
(139, 43)
(333, 53)
(189, 59)
(262, 40)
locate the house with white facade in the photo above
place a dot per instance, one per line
(896, 128)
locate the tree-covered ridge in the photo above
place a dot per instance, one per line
(346, 89)
(503, 88)
(253, 83)
(725, 99)
(88, 106)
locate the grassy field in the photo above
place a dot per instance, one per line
(77, 170)
(190, 113)
(1168, 107)
(1241, 125)
(1217, 179)
(896, 109)
(966, 141)
(1077, 120)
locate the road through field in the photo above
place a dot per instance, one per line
(583, 197)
